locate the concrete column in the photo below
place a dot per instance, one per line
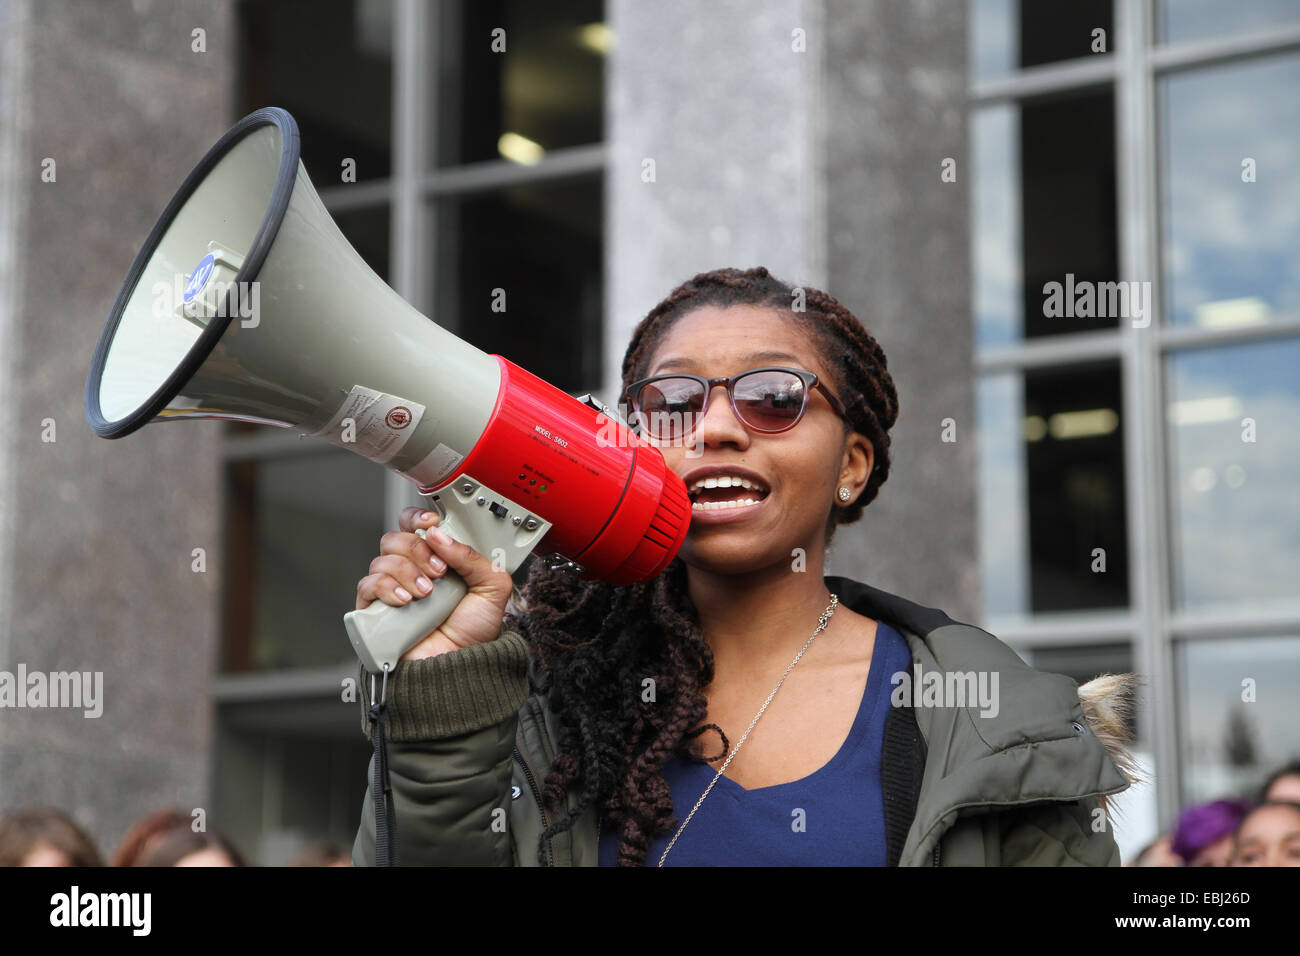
(717, 97)
(112, 100)
(898, 238)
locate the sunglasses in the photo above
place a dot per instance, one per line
(768, 399)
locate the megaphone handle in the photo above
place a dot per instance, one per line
(382, 633)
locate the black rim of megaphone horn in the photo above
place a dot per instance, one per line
(248, 271)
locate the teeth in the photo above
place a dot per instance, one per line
(725, 481)
(722, 505)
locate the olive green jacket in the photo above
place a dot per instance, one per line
(469, 745)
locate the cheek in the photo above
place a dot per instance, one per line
(810, 477)
(679, 459)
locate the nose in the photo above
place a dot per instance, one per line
(719, 423)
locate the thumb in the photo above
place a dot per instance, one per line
(479, 573)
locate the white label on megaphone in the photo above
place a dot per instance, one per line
(380, 423)
(437, 466)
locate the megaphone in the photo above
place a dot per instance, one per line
(247, 303)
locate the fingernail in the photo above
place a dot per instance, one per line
(440, 535)
(404, 594)
(437, 564)
(424, 584)
(426, 516)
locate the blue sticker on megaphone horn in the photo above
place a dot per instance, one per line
(199, 277)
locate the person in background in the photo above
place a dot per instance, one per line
(1282, 784)
(1269, 835)
(184, 847)
(322, 854)
(43, 836)
(1158, 853)
(1203, 834)
(146, 832)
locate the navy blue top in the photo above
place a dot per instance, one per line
(832, 817)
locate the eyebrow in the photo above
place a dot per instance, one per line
(679, 363)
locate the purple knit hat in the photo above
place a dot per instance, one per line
(1204, 823)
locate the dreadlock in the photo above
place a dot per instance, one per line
(625, 667)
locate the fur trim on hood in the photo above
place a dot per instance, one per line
(1108, 704)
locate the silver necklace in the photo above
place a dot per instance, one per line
(821, 626)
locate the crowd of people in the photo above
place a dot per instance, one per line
(42, 836)
(1263, 831)
(1259, 831)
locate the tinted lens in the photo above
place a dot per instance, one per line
(669, 406)
(770, 401)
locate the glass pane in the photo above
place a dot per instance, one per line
(997, 268)
(300, 533)
(520, 78)
(519, 273)
(1237, 713)
(1231, 191)
(1235, 470)
(367, 230)
(1003, 520)
(1067, 162)
(1209, 19)
(330, 64)
(1052, 513)
(1045, 236)
(1006, 35)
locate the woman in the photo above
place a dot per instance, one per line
(1269, 835)
(741, 707)
(1204, 832)
(145, 834)
(43, 836)
(182, 846)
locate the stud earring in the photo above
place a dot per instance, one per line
(845, 494)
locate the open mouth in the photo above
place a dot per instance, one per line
(723, 492)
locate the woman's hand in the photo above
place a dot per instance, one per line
(408, 568)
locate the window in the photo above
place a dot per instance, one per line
(1034, 174)
(1157, 173)
(1053, 534)
(1234, 472)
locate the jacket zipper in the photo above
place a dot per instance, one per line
(936, 854)
(537, 797)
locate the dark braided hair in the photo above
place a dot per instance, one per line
(625, 668)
